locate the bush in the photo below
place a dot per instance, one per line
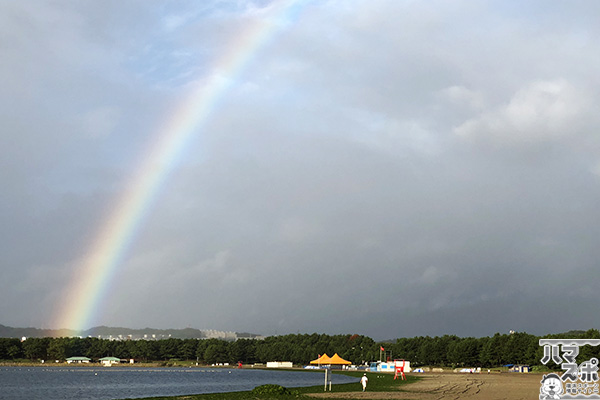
(270, 389)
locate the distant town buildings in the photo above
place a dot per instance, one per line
(122, 334)
(204, 334)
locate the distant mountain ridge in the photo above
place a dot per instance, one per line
(118, 333)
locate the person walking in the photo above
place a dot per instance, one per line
(364, 381)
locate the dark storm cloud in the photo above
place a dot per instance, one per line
(387, 168)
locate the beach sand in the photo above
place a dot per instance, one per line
(446, 386)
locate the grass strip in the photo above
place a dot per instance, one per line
(378, 382)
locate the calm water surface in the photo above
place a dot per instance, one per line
(85, 383)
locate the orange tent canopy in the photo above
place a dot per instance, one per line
(337, 360)
(324, 359)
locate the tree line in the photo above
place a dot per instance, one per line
(444, 351)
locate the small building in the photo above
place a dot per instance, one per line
(468, 370)
(78, 360)
(279, 364)
(108, 361)
(519, 368)
(389, 366)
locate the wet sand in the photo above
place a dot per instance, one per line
(447, 386)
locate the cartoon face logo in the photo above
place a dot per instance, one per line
(551, 387)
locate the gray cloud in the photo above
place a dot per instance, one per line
(379, 167)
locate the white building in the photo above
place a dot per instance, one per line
(279, 364)
(108, 361)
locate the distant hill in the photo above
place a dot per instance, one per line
(118, 333)
(10, 332)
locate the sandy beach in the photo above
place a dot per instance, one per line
(447, 386)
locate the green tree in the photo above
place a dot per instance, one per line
(11, 349)
(187, 349)
(57, 349)
(242, 350)
(516, 348)
(216, 352)
(493, 351)
(587, 352)
(98, 348)
(149, 350)
(200, 349)
(168, 348)
(121, 350)
(36, 348)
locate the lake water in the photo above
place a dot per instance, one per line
(88, 383)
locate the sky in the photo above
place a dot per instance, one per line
(387, 168)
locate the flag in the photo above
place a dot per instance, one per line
(382, 349)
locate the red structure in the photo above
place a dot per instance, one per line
(399, 367)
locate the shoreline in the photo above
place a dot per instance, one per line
(419, 386)
(422, 386)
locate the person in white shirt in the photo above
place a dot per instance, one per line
(364, 381)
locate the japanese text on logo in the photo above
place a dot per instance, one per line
(578, 381)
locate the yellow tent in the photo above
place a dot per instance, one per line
(337, 360)
(324, 359)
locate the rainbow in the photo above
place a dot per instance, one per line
(81, 303)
